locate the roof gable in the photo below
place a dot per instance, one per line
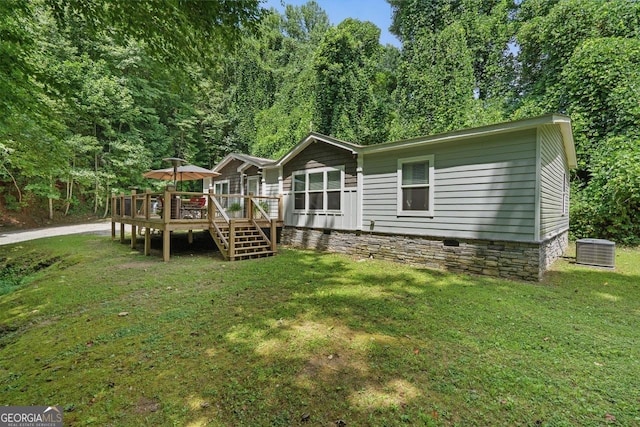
(317, 137)
(247, 161)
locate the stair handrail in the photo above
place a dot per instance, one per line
(220, 209)
(256, 206)
(225, 242)
(262, 233)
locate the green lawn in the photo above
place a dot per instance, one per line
(306, 338)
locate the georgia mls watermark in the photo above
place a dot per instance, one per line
(30, 416)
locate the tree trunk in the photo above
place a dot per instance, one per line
(95, 205)
(15, 183)
(69, 195)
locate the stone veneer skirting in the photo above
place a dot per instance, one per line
(512, 260)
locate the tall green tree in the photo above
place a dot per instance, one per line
(435, 83)
(488, 30)
(347, 103)
(190, 31)
(293, 42)
(581, 58)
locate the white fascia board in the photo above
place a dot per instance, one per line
(482, 131)
(567, 139)
(228, 158)
(315, 137)
(244, 167)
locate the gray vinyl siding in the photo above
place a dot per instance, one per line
(230, 173)
(484, 189)
(553, 172)
(272, 187)
(319, 155)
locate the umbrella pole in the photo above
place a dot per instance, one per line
(175, 174)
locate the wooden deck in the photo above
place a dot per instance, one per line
(249, 232)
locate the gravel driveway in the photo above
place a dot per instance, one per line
(15, 236)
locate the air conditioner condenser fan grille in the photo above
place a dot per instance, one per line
(597, 252)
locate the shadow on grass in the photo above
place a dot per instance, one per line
(335, 342)
(202, 244)
(312, 338)
(340, 342)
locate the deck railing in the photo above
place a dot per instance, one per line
(184, 206)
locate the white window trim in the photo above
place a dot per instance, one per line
(428, 213)
(324, 170)
(219, 183)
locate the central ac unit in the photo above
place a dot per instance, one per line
(598, 252)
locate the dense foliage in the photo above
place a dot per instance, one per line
(92, 95)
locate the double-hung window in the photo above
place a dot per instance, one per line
(416, 186)
(318, 189)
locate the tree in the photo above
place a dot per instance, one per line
(345, 67)
(582, 58)
(487, 29)
(190, 31)
(435, 83)
(601, 91)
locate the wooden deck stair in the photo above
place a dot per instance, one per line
(239, 240)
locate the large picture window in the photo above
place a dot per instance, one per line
(416, 186)
(318, 189)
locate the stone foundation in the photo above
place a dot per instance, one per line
(552, 249)
(512, 260)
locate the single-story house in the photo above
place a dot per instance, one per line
(491, 200)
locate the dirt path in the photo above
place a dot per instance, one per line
(16, 236)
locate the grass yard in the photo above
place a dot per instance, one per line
(304, 338)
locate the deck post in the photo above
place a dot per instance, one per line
(250, 206)
(274, 236)
(190, 237)
(147, 203)
(211, 207)
(166, 245)
(147, 241)
(279, 208)
(121, 215)
(166, 217)
(133, 215)
(113, 217)
(232, 239)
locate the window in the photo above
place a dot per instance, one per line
(415, 186)
(318, 189)
(222, 187)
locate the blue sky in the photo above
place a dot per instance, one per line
(376, 11)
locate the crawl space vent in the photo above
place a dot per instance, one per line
(598, 252)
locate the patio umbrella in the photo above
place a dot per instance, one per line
(181, 173)
(175, 161)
